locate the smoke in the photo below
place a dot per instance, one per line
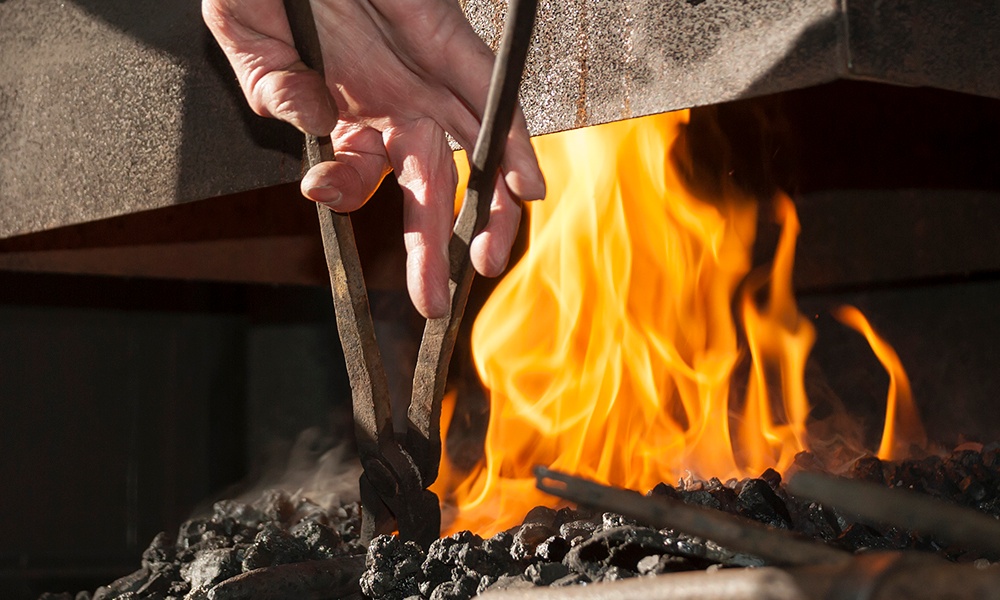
(315, 466)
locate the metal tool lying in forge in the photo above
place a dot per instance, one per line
(399, 467)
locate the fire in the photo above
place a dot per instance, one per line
(778, 335)
(902, 422)
(610, 350)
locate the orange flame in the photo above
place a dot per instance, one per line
(610, 349)
(902, 422)
(777, 335)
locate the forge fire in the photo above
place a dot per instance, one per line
(746, 348)
(636, 345)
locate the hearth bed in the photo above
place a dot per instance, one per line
(280, 546)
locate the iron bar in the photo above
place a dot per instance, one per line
(734, 533)
(311, 580)
(906, 510)
(438, 343)
(877, 576)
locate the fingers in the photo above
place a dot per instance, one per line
(426, 173)
(491, 248)
(257, 40)
(294, 94)
(455, 56)
(361, 164)
(522, 174)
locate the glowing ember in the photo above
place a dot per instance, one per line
(610, 349)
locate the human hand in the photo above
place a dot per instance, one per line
(399, 74)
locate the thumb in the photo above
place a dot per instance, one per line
(257, 40)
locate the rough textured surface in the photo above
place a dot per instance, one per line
(595, 61)
(106, 111)
(296, 539)
(291, 540)
(589, 547)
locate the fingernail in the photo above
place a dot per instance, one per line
(326, 195)
(526, 188)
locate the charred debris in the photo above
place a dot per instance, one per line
(282, 546)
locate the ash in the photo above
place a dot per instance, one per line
(275, 529)
(565, 547)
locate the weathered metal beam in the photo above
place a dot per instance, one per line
(595, 61)
(106, 110)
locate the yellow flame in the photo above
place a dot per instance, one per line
(903, 426)
(609, 351)
(777, 336)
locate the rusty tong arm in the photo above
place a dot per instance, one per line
(396, 475)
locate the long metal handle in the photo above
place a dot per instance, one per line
(369, 384)
(424, 434)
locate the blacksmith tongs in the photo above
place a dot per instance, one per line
(398, 470)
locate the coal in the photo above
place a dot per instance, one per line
(666, 490)
(771, 477)
(541, 515)
(461, 587)
(655, 564)
(546, 573)
(611, 520)
(868, 468)
(572, 579)
(858, 537)
(160, 553)
(320, 540)
(244, 547)
(237, 538)
(689, 552)
(162, 582)
(614, 573)
(553, 549)
(815, 520)
(392, 568)
(577, 530)
(758, 501)
(272, 546)
(123, 585)
(210, 567)
(527, 539)
(620, 547)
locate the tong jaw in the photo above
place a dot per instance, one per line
(398, 470)
(393, 493)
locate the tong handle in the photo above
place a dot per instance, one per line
(423, 438)
(392, 492)
(369, 384)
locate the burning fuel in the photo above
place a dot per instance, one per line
(610, 350)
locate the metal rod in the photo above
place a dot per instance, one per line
(738, 584)
(735, 533)
(369, 384)
(900, 508)
(310, 580)
(876, 576)
(438, 343)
